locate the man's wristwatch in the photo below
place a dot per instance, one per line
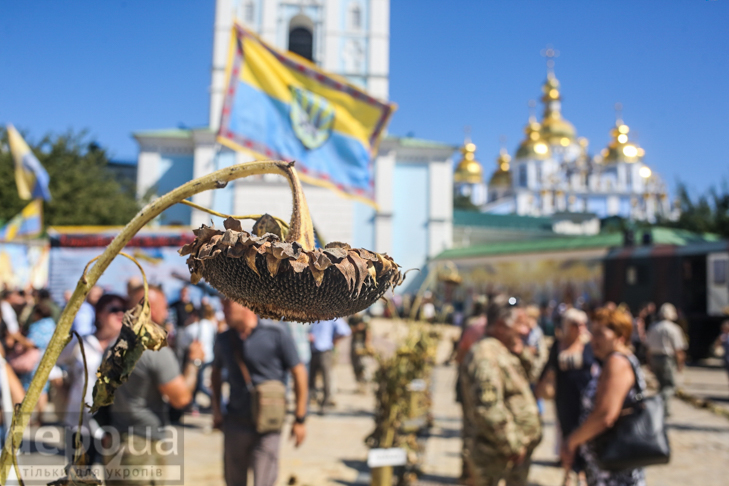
(197, 363)
(300, 420)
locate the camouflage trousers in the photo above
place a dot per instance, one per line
(488, 470)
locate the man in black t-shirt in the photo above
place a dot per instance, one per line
(269, 353)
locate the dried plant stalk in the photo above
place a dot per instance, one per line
(215, 180)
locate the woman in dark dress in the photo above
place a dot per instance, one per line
(570, 366)
(614, 390)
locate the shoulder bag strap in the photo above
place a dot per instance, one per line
(640, 392)
(238, 353)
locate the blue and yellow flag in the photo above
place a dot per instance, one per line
(280, 106)
(27, 224)
(30, 176)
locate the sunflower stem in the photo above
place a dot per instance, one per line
(301, 231)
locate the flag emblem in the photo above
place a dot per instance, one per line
(312, 117)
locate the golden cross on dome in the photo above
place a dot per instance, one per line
(618, 113)
(550, 53)
(532, 110)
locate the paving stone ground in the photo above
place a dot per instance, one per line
(335, 454)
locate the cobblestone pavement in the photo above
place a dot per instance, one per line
(708, 382)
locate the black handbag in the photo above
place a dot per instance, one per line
(638, 438)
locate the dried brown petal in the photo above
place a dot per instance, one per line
(316, 273)
(320, 261)
(336, 254)
(362, 272)
(273, 263)
(188, 248)
(232, 224)
(263, 248)
(230, 238)
(367, 255)
(251, 259)
(347, 269)
(204, 233)
(373, 273)
(385, 262)
(338, 244)
(283, 250)
(301, 263)
(237, 251)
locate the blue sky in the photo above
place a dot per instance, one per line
(117, 66)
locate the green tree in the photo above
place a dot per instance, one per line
(83, 189)
(707, 213)
(463, 202)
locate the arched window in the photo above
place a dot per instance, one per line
(301, 36)
(355, 17)
(301, 42)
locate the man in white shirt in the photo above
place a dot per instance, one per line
(7, 313)
(666, 351)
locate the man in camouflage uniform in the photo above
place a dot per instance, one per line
(498, 400)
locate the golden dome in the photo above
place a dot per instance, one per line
(502, 175)
(621, 148)
(554, 127)
(500, 179)
(533, 146)
(468, 170)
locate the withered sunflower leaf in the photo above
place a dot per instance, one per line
(138, 333)
(267, 224)
(251, 259)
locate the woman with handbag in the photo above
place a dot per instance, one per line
(617, 388)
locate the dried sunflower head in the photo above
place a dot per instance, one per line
(289, 279)
(282, 280)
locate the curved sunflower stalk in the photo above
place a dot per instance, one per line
(339, 273)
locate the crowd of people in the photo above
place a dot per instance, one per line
(257, 358)
(511, 358)
(592, 371)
